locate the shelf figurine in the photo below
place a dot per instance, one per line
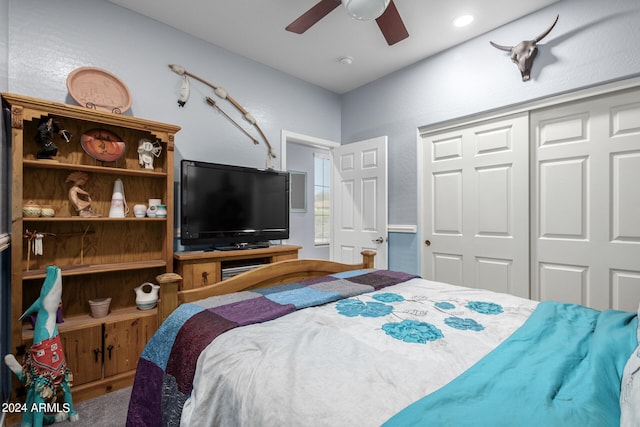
(44, 371)
(146, 151)
(80, 199)
(44, 137)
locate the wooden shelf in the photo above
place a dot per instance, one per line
(89, 219)
(93, 169)
(75, 323)
(77, 270)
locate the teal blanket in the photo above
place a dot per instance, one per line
(563, 367)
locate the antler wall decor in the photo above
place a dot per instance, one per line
(524, 52)
(184, 96)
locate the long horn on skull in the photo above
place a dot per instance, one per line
(505, 48)
(543, 35)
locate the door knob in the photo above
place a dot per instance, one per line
(379, 240)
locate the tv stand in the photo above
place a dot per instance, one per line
(200, 268)
(242, 246)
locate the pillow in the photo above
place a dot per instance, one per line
(630, 388)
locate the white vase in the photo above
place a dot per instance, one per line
(118, 203)
(161, 212)
(153, 207)
(146, 295)
(139, 211)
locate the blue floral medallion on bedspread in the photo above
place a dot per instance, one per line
(563, 367)
(165, 371)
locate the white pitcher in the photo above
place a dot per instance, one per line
(146, 295)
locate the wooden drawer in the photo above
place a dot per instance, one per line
(284, 257)
(196, 274)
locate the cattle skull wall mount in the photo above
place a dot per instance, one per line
(524, 52)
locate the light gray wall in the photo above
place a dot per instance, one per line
(49, 39)
(594, 42)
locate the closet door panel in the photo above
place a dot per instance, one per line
(586, 202)
(562, 203)
(476, 205)
(625, 193)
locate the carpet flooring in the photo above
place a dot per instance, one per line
(109, 410)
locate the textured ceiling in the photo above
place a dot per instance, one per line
(256, 29)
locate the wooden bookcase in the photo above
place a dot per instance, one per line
(99, 257)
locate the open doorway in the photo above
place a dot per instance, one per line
(308, 159)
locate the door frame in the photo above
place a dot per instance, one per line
(578, 94)
(298, 138)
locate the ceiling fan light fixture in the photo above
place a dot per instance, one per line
(365, 10)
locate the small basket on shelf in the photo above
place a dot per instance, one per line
(99, 307)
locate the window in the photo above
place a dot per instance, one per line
(322, 200)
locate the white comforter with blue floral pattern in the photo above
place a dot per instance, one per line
(354, 362)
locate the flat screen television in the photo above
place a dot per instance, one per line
(228, 206)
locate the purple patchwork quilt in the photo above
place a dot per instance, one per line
(166, 368)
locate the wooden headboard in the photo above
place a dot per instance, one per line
(277, 273)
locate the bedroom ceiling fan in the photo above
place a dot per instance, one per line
(383, 11)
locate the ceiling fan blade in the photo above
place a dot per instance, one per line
(312, 16)
(391, 25)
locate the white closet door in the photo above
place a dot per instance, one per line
(586, 191)
(475, 224)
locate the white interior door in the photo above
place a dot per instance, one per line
(475, 224)
(359, 201)
(586, 183)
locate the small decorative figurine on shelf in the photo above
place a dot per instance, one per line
(146, 151)
(80, 199)
(44, 371)
(44, 137)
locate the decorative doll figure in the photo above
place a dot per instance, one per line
(44, 371)
(44, 137)
(80, 199)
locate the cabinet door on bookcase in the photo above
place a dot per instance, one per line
(124, 341)
(83, 351)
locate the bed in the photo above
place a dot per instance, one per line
(317, 343)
